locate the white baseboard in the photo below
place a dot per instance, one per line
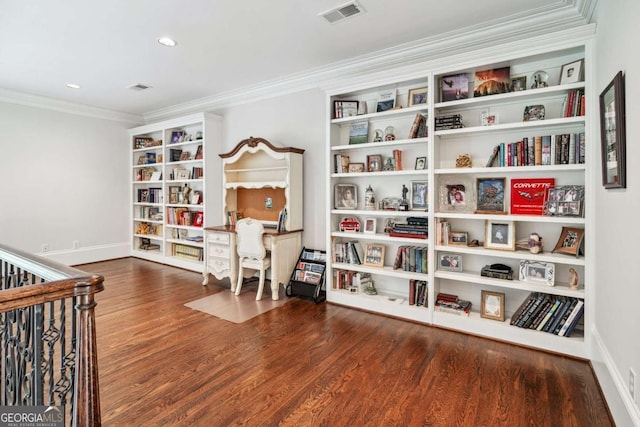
(613, 385)
(89, 254)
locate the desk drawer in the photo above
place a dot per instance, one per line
(219, 251)
(218, 238)
(219, 265)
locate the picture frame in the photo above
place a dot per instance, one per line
(458, 238)
(374, 254)
(342, 109)
(356, 167)
(500, 235)
(572, 72)
(492, 82)
(418, 96)
(492, 305)
(539, 79)
(518, 83)
(454, 87)
(386, 101)
(421, 163)
(177, 136)
(182, 174)
(570, 241)
(198, 219)
(488, 118)
(346, 196)
(449, 262)
(490, 195)
(199, 154)
(185, 155)
(537, 272)
(565, 200)
(613, 134)
(532, 113)
(359, 132)
(419, 195)
(456, 194)
(370, 225)
(374, 163)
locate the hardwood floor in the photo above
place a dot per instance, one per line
(163, 364)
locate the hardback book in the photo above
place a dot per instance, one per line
(413, 133)
(528, 195)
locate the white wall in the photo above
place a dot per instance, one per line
(65, 178)
(296, 120)
(617, 315)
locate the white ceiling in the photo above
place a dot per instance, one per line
(223, 45)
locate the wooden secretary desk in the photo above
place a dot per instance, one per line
(259, 180)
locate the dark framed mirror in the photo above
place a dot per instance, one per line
(612, 134)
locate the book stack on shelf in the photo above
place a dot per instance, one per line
(449, 121)
(415, 227)
(449, 303)
(347, 252)
(418, 293)
(412, 258)
(187, 252)
(558, 315)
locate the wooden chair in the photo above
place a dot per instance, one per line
(251, 252)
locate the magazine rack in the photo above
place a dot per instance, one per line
(307, 279)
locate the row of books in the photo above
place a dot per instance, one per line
(176, 154)
(418, 293)
(150, 195)
(558, 315)
(183, 216)
(233, 217)
(347, 252)
(182, 173)
(187, 252)
(150, 212)
(562, 149)
(411, 258)
(443, 229)
(574, 103)
(449, 303)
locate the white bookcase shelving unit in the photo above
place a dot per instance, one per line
(171, 207)
(442, 148)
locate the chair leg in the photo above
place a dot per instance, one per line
(261, 284)
(240, 278)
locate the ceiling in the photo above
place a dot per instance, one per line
(223, 46)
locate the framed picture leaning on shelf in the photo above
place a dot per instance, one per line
(490, 193)
(370, 225)
(613, 134)
(419, 195)
(454, 87)
(570, 241)
(374, 255)
(537, 272)
(491, 82)
(500, 235)
(518, 83)
(572, 72)
(456, 194)
(458, 238)
(386, 101)
(449, 262)
(346, 196)
(421, 163)
(492, 305)
(417, 96)
(374, 163)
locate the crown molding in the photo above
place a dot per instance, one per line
(518, 27)
(37, 101)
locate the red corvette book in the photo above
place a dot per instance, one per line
(528, 195)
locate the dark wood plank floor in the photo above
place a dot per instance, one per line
(162, 364)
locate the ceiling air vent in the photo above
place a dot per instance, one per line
(342, 12)
(138, 86)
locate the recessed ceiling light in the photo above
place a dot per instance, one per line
(166, 41)
(72, 86)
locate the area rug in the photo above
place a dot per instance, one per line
(237, 309)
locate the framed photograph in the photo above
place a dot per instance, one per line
(456, 194)
(538, 272)
(419, 195)
(198, 155)
(490, 193)
(492, 305)
(539, 79)
(613, 134)
(198, 219)
(500, 235)
(518, 83)
(572, 72)
(458, 238)
(185, 155)
(417, 96)
(177, 136)
(374, 255)
(182, 174)
(491, 82)
(570, 241)
(454, 87)
(566, 200)
(343, 109)
(449, 262)
(488, 119)
(374, 163)
(359, 132)
(386, 101)
(421, 163)
(370, 225)
(356, 167)
(533, 112)
(346, 196)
